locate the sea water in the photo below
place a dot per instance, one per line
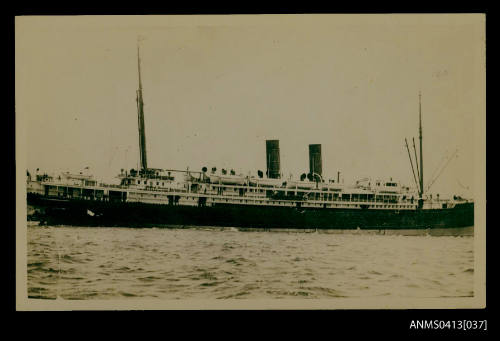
(213, 263)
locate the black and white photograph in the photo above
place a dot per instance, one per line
(285, 161)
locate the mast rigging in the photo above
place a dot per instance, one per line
(411, 163)
(442, 169)
(416, 158)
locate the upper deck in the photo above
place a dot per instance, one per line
(199, 189)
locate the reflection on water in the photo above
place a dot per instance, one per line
(86, 263)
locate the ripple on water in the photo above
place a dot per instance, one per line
(100, 263)
(148, 278)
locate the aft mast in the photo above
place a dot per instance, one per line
(421, 154)
(140, 117)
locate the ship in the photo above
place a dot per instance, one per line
(147, 197)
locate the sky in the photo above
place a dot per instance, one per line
(216, 87)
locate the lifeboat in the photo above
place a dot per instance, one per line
(301, 184)
(227, 179)
(331, 186)
(266, 182)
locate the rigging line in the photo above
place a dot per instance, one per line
(411, 163)
(447, 163)
(464, 187)
(444, 163)
(441, 163)
(416, 158)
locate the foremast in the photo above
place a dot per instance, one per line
(140, 117)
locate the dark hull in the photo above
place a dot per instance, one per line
(75, 212)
